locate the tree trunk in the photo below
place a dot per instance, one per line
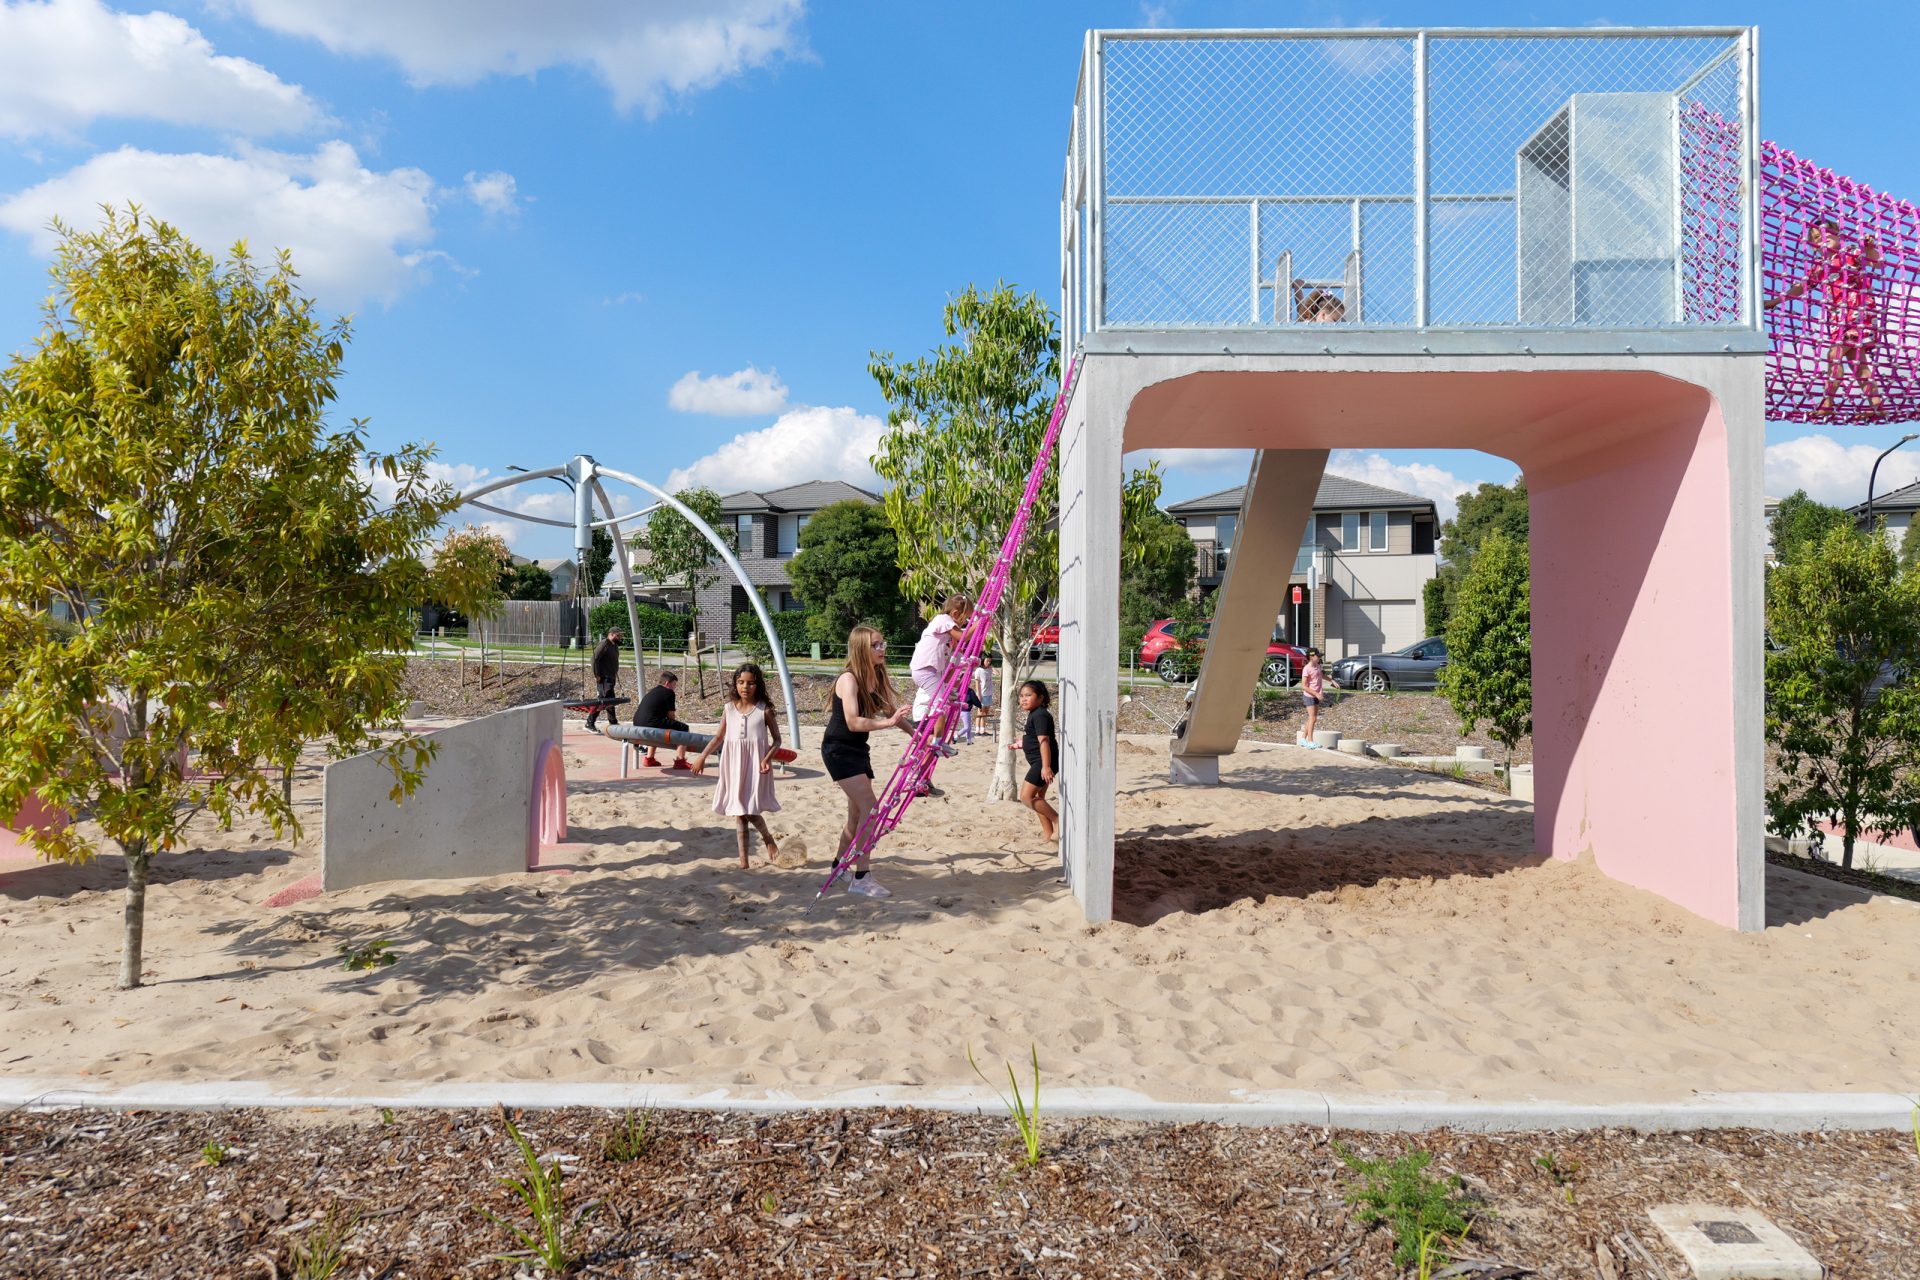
(1003, 786)
(138, 860)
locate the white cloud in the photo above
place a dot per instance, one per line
(744, 393)
(496, 193)
(805, 444)
(1195, 462)
(354, 233)
(647, 52)
(1832, 472)
(66, 63)
(1422, 478)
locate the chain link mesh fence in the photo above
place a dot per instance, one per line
(1447, 179)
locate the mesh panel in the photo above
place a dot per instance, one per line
(1572, 181)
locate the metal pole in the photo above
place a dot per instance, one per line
(1097, 197)
(626, 584)
(1874, 474)
(1750, 145)
(1253, 261)
(1421, 236)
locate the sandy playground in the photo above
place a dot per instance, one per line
(1317, 923)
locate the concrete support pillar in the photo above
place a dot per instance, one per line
(1089, 694)
(1646, 655)
(1273, 515)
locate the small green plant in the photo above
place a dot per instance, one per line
(1562, 1178)
(631, 1140)
(1916, 1131)
(1026, 1117)
(769, 1204)
(1417, 1207)
(324, 1251)
(213, 1154)
(368, 955)
(540, 1191)
(386, 1115)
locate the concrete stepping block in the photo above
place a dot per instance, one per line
(1328, 738)
(1723, 1243)
(1353, 746)
(1464, 752)
(1388, 750)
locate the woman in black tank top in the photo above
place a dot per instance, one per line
(861, 702)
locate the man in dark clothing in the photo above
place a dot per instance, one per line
(606, 671)
(656, 712)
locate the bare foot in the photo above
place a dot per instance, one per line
(745, 865)
(773, 852)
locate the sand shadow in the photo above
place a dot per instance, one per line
(107, 872)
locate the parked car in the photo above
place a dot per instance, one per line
(1046, 636)
(1415, 667)
(1160, 646)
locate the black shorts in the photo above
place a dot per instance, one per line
(1033, 775)
(845, 762)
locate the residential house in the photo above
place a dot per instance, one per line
(1357, 582)
(1893, 510)
(563, 573)
(766, 531)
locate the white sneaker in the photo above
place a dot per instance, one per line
(868, 887)
(945, 749)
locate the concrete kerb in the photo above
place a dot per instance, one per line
(1402, 1113)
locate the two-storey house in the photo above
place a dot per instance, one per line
(766, 532)
(1359, 575)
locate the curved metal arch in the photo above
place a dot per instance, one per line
(613, 522)
(721, 545)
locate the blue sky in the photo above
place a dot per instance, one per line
(669, 232)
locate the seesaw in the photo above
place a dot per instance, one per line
(596, 704)
(631, 735)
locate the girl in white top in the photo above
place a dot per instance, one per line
(930, 657)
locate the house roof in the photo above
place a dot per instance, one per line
(1905, 498)
(809, 495)
(1337, 493)
(553, 564)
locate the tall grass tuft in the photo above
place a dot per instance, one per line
(1026, 1116)
(540, 1191)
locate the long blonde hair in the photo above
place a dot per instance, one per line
(873, 689)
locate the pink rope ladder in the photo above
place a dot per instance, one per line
(922, 755)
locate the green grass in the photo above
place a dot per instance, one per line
(324, 1251)
(542, 1193)
(631, 1139)
(1026, 1116)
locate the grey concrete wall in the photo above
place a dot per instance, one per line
(470, 816)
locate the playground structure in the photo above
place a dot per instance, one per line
(584, 478)
(1543, 281)
(634, 737)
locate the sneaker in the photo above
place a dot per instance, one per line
(868, 887)
(944, 749)
(650, 764)
(679, 764)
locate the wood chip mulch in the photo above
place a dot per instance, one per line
(884, 1194)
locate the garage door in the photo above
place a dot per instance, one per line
(1379, 626)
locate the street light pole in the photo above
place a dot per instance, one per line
(1874, 474)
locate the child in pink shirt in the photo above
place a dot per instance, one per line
(1313, 692)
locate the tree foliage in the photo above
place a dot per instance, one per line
(528, 582)
(964, 426)
(1162, 573)
(1800, 523)
(1492, 508)
(168, 476)
(848, 571)
(1489, 671)
(681, 553)
(1843, 703)
(599, 563)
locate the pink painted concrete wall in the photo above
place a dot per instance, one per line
(1637, 748)
(547, 807)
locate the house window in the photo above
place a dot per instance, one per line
(743, 533)
(788, 536)
(1377, 528)
(1223, 530)
(1350, 531)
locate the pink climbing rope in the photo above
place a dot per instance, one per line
(922, 755)
(1858, 309)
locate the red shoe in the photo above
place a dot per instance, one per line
(650, 763)
(681, 764)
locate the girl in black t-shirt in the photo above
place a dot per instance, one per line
(1043, 755)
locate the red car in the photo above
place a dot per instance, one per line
(1283, 665)
(1046, 635)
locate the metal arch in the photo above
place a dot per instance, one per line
(753, 596)
(626, 584)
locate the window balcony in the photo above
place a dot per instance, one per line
(1495, 183)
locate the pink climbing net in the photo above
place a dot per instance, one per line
(916, 767)
(1847, 348)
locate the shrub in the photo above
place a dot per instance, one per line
(657, 626)
(790, 626)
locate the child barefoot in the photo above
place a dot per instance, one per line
(1042, 750)
(749, 735)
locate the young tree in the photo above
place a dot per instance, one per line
(964, 426)
(681, 553)
(848, 572)
(166, 473)
(1165, 569)
(1799, 523)
(528, 582)
(1490, 508)
(1843, 703)
(1489, 671)
(599, 563)
(1910, 548)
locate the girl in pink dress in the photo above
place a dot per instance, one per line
(749, 735)
(1853, 319)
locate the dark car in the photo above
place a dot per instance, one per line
(1415, 667)
(1159, 649)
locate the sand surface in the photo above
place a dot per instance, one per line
(1318, 922)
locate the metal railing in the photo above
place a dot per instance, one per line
(1411, 179)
